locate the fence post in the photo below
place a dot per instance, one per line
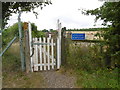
(21, 43)
(27, 49)
(30, 45)
(63, 45)
(59, 45)
(0, 45)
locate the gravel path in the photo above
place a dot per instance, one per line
(55, 79)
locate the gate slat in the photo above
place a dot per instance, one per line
(33, 57)
(40, 41)
(44, 47)
(48, 41)
(36, 55)
(52, 53)
(44, 64)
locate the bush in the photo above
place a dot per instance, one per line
(87, 61)
(84, 56)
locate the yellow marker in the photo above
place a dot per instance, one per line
(25, 26)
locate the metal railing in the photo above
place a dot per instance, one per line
(9, 44)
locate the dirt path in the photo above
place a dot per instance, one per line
(55, 79)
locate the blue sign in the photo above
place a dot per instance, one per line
(78, 36)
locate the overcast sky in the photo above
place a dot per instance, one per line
(65, 10)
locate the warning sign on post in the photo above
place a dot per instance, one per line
(25, 26)
(78, 36)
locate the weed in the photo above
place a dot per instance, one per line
(87, 61)
(13, 77)
(97, 79)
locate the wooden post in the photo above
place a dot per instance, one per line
(27, 49)
(30, 45)
(63, 46)
(59, 45)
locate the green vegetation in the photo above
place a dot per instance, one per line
(13, 77)
(98, 79)
(35, 32)
(98, 65)
(51, 30)
(88, 64)
(11, 58)
(109, 12)
(45, 30)
(9, 33)
(38, 34)
(87, 29)
(12, 31)
(85, 56)
(14, 7)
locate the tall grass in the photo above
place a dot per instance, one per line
(11, 58)
(86, 59)
(13, 77)
(98, 79)
(85, 56)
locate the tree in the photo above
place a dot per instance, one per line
(35, 32)
(45, 30)
(13, 7)
(51, 30)
(12, 31)
(9, 33)
(109, 12)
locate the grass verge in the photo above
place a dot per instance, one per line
(97, 79)
(86, 62)
(13, 77)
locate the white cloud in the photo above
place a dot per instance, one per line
(65, 10)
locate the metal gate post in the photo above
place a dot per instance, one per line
(0, 45)
(21, 43)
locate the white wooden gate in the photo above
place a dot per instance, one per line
(42, 52)
(43, 57)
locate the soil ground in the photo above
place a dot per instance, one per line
(13, 77)
(44, 79)
(55, 79)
